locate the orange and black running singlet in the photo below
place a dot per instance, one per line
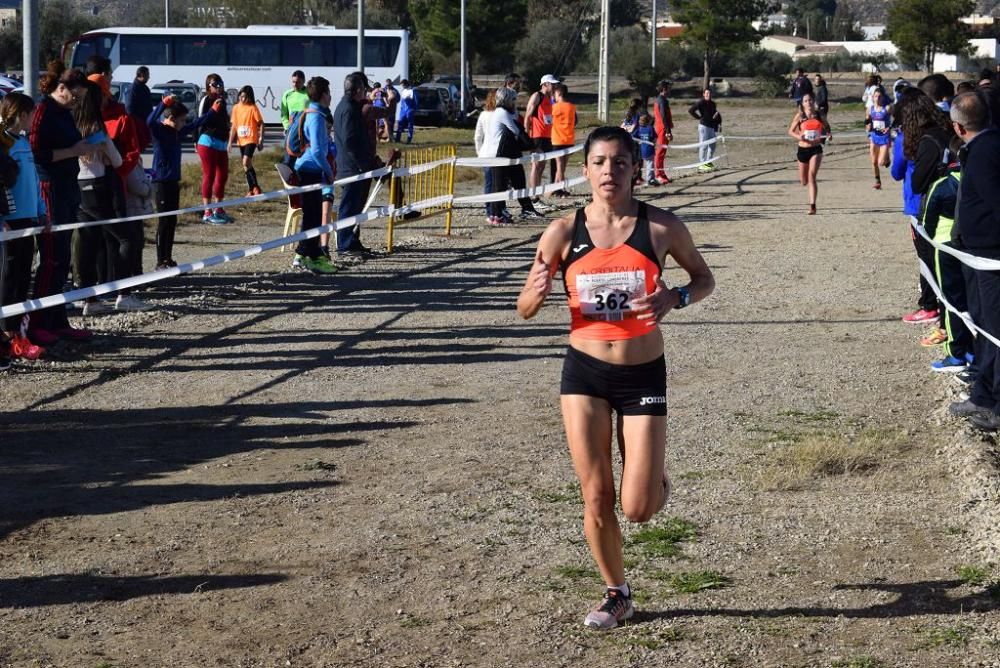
(602, 283)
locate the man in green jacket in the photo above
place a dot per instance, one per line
(295, 98)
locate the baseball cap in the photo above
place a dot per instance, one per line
(549, 79)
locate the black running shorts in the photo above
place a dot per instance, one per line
(542, 144)
(247, 150)
(637, 389)
(805, 153)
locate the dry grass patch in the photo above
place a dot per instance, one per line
(813, 456)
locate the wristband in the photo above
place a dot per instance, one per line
(685, 297)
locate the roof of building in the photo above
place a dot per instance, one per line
(791, 39)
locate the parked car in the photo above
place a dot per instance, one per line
(451, 80)
(435, 105)
(188, 93)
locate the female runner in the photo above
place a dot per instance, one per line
(611, 254)
(878, 120)
(812, 131)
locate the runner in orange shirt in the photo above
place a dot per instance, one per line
(248, 131)
(564, 120)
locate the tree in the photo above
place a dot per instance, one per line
(718, 26)
(921, 29)
(58, 22)
(543, 51)
(492, 29)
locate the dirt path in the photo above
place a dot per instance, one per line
(271, 472)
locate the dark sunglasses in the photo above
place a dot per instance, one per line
(215, 84)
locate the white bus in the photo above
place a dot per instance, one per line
(260, 56)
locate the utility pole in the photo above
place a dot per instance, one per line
(361, 35)
(653, 59)
(166, 13)
(462, 68)
(603, 82)
(29, 36)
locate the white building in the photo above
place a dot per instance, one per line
(943, 62)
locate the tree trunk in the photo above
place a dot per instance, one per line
(929, 53)
(705, 78)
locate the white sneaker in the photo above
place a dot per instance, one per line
(96, 307)
(130, 303)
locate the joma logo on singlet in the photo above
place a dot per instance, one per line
(646, 401)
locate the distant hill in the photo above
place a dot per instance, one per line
(871, 12)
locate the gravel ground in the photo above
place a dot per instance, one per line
(277, 469)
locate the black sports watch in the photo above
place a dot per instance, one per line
(685, 297)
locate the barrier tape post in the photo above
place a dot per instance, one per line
(451, 191)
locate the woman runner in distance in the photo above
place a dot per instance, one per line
(812, 131)
(611, 254)
(877, 122)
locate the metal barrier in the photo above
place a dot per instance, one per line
(421, 185)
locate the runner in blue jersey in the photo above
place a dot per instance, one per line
(878, 120)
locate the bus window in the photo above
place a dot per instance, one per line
(144, 50)
(306, 52)
(254, 52)
(200, 51)
(91, 45)
(381, 51)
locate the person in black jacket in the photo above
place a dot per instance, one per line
(354, 156)
(977, 231)
(140, 105)
(709, 122)
(822, 94)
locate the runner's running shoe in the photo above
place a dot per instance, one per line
(921, 315)
(935, 337)
(616, 607)
(531, 215)
(221, 214)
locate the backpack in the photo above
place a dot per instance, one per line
(295, 141)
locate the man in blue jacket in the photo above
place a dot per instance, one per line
(313, 166)
(977, 231)
(354, 156)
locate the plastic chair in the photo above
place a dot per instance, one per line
(293, 218)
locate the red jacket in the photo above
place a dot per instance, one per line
(121, 128)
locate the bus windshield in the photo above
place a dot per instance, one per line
(87, 46)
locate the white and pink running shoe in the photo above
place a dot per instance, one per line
(616, 607)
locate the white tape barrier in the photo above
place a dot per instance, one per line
(275, 194)
(926, 272)
(278, 194)
(707, 142)
(523, 160)
(974, 261)
(787, 136)
(186, 268)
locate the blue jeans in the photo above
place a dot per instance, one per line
(488, 186)
(704, 134)
(352, 201)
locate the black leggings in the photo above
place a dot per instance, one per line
(18, 254)
(168, 198)
(506, 177)
(89, 249)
